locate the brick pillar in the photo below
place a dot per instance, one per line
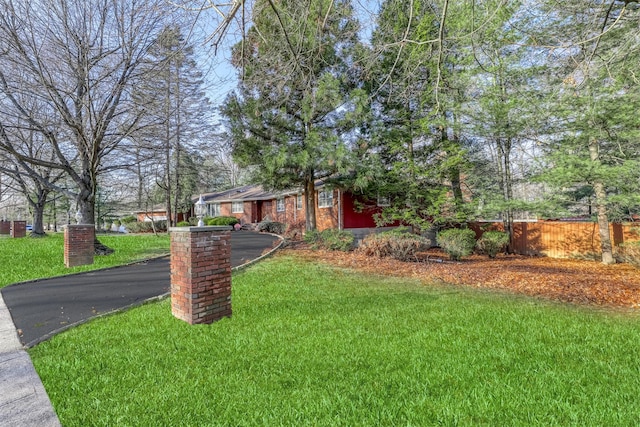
(201, 273)
(78, 244)
(5, 227)
(18, 228)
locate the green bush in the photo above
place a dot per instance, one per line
(183, 224)
(331, 239)
(457, 242)
(312, 237)
(146, 227)
(128, 219)
(223, 220)
(271, 227)
(492, 242)
(398, 244)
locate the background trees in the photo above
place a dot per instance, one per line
(595, 153)
(177, 118)
(78, 60)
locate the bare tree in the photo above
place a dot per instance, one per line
(80, 60)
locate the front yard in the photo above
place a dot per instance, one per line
(317, 344)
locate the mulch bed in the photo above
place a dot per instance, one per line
(575, 281)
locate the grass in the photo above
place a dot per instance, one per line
(312, 345)
(29, 258)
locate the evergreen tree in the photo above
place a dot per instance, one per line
(292, 115)
(596, 148)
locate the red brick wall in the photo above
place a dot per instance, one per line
(244, 217)
(200, 274)
(78, 244)
(327, 217)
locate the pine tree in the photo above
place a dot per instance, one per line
(596, 148)
(291, 116)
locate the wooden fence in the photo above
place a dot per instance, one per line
(562, 239)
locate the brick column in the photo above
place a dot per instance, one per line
(201, 273)
(78, 244)
(18, 228)
(5, 227)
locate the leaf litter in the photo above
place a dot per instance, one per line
(582, 282)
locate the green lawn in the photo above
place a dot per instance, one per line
(30, 258)
(312, 345)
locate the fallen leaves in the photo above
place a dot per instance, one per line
(566, 280)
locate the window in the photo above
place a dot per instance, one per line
(384, 201)
(237, 207)
(325, 199)
(299, 201)
(213, 209)
(280, 204)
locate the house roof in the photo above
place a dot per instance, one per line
(248, 193)
(244, 193)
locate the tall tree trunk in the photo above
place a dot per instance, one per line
(177, 197)
(451, 148)
(140, 190)
(504, 148)
(38, 214)
(310, 193)
(601, 208)
(86, 201)
(167, 136)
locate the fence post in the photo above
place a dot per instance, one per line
(201, 273)
(18, 228)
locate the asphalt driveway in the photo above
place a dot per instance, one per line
(43, 308)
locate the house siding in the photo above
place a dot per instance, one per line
(244, 217)
(327, 218)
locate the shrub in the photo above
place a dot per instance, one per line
(457, 242)
(331, 239)
(223, 220)
(271, 227)
(312, 237)
(492, 242)
(128, 219)
(146, 227)
(398, 244)
(183, 224)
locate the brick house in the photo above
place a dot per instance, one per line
(335, 208)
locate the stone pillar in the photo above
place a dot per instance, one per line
(5, 227)
(78, 244)
(201, 273)
(18, 228)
